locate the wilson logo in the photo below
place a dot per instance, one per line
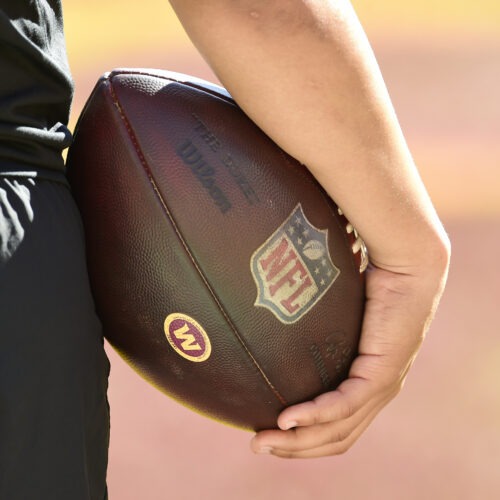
(187, 337)
(293, 268)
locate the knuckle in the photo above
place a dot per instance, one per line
(341, 435)
(390, 383)
(395, 388)
(283, 454)
(387, 381)
(346, 411)
(343, 448)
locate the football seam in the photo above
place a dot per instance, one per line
(216, 299)
(172, 79)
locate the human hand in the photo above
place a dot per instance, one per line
(399, 309)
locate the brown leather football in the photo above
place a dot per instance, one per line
(222, 271)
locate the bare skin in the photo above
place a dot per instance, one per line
(304, 71)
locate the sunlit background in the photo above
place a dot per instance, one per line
(440, 439)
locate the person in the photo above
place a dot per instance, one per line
(54, 416)
(304, 71)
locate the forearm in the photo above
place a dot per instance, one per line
(305, 73)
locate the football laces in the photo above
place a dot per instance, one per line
(358, 246)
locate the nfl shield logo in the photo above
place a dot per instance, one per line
(293, 268)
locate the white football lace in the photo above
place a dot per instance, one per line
(358, 245)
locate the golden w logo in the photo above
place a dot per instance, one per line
(189, 342)
(187, 337)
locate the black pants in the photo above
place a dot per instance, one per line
(54, 415)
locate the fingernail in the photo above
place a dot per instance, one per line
(288, 425)
(265, 450)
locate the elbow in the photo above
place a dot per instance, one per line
(442, 252)
(438, 261)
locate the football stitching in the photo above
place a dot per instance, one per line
(149, 173)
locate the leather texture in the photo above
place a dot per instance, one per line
(179, 191)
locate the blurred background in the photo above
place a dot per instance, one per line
(440, 439)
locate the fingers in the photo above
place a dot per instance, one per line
(338, 439)
(329, 425)
(329, 439)
(332, 422)
(371, 380)
(341, 404)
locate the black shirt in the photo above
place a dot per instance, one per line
(35, 87)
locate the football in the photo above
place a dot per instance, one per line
(222, 271)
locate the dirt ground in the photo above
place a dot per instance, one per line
(440, 438)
